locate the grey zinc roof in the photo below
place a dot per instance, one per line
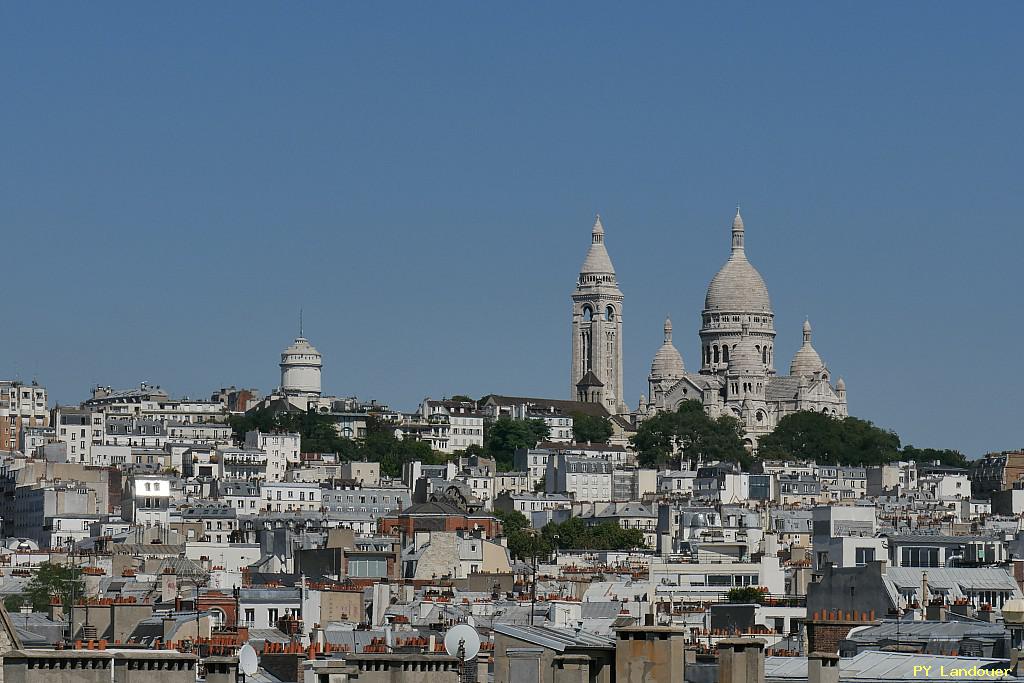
(558, 639)
(944, 630)
(876, 665)
(600, 610)
(981, 578)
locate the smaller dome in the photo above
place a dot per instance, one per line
(597, 261)
(299, 347)
(806, 361)
(667, 361)
(841, 384)
(744, 358)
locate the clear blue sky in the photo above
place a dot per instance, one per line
(176, 180)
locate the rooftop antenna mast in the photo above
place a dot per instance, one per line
(300, 321)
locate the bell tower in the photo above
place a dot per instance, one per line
(597, 328)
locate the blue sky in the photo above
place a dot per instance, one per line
(178, 179)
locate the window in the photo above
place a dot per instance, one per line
(865, 555)
(368, 567)
(919, 557)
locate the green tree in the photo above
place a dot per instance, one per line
(522, 540)
(62, 580)
(947, 457)
(808, 435)
(504, 436)
(512, 521)
(692, 433)
(592, 428)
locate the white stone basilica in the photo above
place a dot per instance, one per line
(737, 334)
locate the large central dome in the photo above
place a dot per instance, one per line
(737, 287)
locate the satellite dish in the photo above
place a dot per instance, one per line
(248, 662)
(464, 635)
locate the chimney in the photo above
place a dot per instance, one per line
(822, 667)
(936, 611)
(56, 610)
(741, 660)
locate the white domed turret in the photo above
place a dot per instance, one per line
(667, 364)
(738, 286)
(597, 266)
(736, 296)
(806, 361)
(745, 377)
(745, 360)
(300, 369)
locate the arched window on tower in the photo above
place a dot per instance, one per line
(609, 313)
(588, 313)
(764, 355)
(725, 353)
(716, 352)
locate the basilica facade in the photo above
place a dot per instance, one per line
(737, 373)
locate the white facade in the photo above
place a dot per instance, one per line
(465, 423)
(580, 478)
(146, 500)
(248, 463)
(277, 446)
(244, 497)
(79, 430)
(291, 496)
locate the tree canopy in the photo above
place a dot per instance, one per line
(62, 580)
(504, 436)
(944, 456)
(319, 435)
(808, 435)
(591, 428)
(524, 541)
(690, 432)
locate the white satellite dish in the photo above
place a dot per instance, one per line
(248, 662)
(464, 635)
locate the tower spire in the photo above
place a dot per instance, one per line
(300, 321)
(668, 330)
(737, 232)
(597, 233)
